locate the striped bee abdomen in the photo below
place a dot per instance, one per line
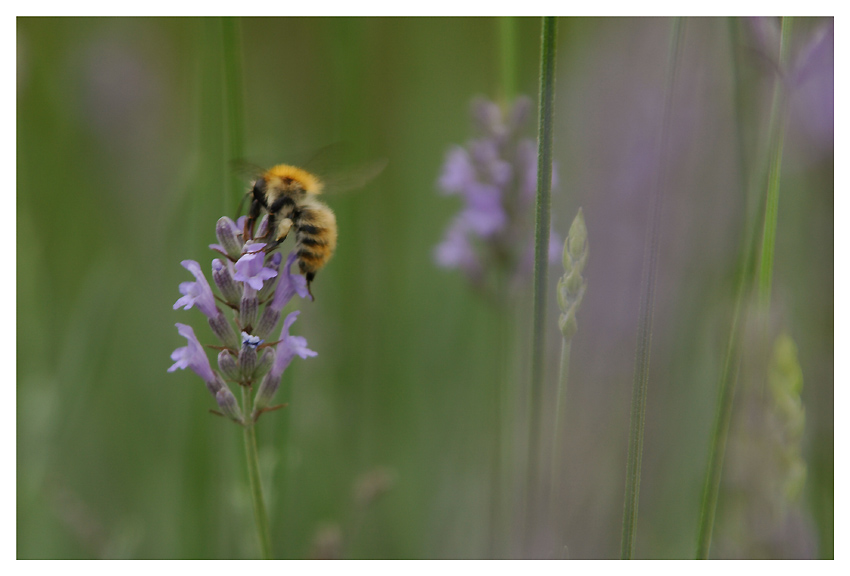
(315, 238)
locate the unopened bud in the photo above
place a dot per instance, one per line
(227, 365)
(224, 331)
(248, 308)
(572, 285)
(225, 231)
(229, 407)
(248, 355)
(223, 278)
(264, 364)
(265, 393)
(267, 322)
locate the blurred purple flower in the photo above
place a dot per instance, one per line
(456, 251)
(496, 176)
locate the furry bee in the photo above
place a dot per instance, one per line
(289, 195)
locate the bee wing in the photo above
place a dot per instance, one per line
(245, 169)
(248, 171)
(353, 178)
(339, 168)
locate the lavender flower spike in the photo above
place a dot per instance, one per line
(495, 175)
(192, 356)
(198, 292)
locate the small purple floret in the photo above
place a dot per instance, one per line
(288, 285)
(197, 293)
(192, 356)
(249, 268)
(289, 347)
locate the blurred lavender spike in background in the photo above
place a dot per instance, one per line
(495, 174)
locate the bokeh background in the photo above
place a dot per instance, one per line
(386, 449)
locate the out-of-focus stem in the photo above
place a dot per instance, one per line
(260, 516)
(546, 126)
(560, 410)
(776, 139)
(731, 361)
(641, 374)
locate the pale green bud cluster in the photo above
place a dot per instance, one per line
(571, 285)
(788, 414)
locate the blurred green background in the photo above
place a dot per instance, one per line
(123, 168)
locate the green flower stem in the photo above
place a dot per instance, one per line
(641, 374)
(731, 361)
(776, 139)
(560, 410)
(234, 109)
(253, 462)
(546, 127)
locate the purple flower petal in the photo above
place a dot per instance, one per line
(288, 285)
(249, 268)
(456, 251)
(483, 213)
(488, 118)
(197, 293)
(289, 347)
(458, 171)
(486, 156)
(192, 356)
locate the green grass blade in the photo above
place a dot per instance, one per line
(644, 338)
(747, 278)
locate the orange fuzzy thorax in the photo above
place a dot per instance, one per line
(310, 183)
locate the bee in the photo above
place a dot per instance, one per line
(289, 195)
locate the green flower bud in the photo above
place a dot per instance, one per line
(571, 285)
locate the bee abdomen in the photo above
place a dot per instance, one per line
(315, 239)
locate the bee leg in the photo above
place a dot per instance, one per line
(282, 232)
(310, 276)
(253, 214)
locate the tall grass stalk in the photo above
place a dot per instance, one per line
(234, 114)
(746, 281)
(644, 338)
(776, 139)
(546, 126)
